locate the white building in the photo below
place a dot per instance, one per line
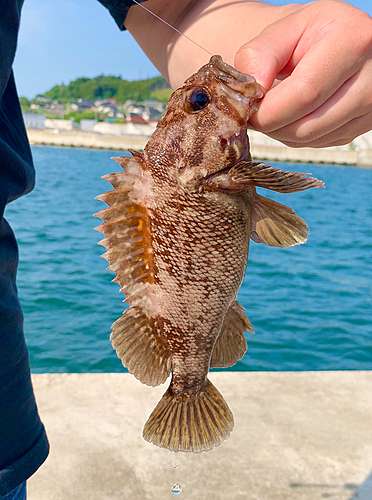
(87, 125)
(124, 128)
(60, 124)
(34, 120)
(363, 141)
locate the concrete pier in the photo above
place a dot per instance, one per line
(79, 139)
(272, 151)
(297, 436)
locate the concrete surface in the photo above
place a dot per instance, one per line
(306, 155)
(297, 436)
(270, 151)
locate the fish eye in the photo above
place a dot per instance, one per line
(197, 100)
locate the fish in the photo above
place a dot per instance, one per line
(176, 231)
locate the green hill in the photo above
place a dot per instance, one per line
(104, 87)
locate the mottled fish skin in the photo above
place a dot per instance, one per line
(177, 235)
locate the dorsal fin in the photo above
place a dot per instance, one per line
(138, 341)
(126, 228)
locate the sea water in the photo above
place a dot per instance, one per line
(311, 305)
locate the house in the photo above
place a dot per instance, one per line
(108, 106)
(134, 108)
(88, 125)
(136, 119)
(41, 98)
(85, 103)
(363, 141)
(34, 120)
(151, 114)
(152, 104)
(142, 129)
(60, 125)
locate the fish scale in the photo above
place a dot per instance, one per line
(177, 234)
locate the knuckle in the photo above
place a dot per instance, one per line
(363, 40)
(310, 92)
(248, 56)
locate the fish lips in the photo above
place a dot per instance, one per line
(240, 87)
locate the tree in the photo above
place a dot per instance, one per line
(105, 87)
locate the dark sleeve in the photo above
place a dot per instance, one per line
(119, 9)
(23, 443)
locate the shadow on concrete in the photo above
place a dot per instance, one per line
(361, 491)
(364, 490)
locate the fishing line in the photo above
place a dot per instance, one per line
(173, 28)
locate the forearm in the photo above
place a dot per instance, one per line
(203, 21)
(321, 52)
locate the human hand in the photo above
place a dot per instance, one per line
(322, 53)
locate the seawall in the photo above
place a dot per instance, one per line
(277, 152)
(297, 436)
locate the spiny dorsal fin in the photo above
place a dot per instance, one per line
(246, 174)
(190, 423)
(275, 224)
(231, 344)
(126, 229)
(138, 341)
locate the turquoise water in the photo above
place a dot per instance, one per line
(311, 306)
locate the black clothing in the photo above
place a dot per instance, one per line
(118, 9)
(23, 442)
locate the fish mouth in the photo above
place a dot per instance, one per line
(223, 171)
(238, 141)
(237, 145)
(225, 69)
(239, 85)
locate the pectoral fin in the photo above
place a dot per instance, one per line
(275, 224)
(231, 344)
(246, 174)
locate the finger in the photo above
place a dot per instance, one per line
(259, 59)
(310, 85)
(352, 100)
(339, 137)
(322, 62)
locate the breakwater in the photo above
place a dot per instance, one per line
(269, 152)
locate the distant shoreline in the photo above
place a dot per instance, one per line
(362, 158)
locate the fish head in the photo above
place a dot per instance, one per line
(206, 121)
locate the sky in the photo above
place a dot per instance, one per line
(62, 40)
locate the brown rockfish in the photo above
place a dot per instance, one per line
(177, 233)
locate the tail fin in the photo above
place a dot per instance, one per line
(190, 423)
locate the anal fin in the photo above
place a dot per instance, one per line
(231, 344)
(140, 346)
(275, 224)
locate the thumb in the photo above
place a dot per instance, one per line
(269, 55)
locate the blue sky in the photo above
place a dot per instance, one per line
(62, 40)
